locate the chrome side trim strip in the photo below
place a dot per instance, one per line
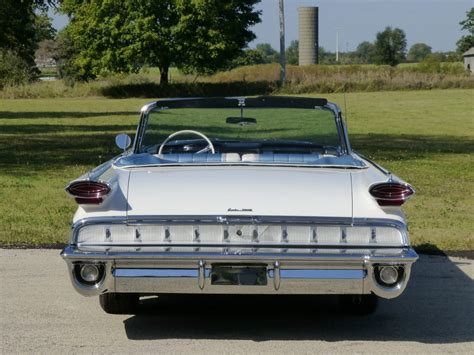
(156, 273)
(251, 219)
(405, 255)
(308, 274)
(282, 245)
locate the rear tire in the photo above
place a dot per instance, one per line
(359, 304)
(119, 303)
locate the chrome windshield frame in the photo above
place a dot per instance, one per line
(236, 102)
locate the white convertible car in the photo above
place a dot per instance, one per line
(260, 195)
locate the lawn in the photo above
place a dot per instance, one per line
(425, 137)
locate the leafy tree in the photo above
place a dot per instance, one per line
(451, 56)
(248, 57)
(326, 57)
(17, 32)
(390, 46)
(14, 70)
(269, 54)
(466, 42)
(418, 52)
(365, 53)
(23, 24)
(292, 53)
(44, 29)
(65, 59)
(430, 64)
(199, 36)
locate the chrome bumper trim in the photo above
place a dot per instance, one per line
(324, 272)
(156, 273)
(247, 254)
(320, 274)
(284, 274)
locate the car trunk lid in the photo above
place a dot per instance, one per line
(265, 191)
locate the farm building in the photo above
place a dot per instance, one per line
(469, 60)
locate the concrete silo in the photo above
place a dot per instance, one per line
(308, 35)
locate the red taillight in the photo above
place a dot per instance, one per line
(88, 192)
(391, 193)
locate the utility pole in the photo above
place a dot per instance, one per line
(337, 45)
(282, 44)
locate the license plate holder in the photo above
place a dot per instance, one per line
(238, 275)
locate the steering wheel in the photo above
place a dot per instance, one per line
(209, 146)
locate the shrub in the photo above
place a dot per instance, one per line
(14, 70)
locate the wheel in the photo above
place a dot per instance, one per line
(119, 303)
(359, 304)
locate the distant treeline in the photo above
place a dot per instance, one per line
(364, 54)
(122, 37)
(260, 79)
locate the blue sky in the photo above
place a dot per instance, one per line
(435, 22)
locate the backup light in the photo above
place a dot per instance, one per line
(388, 275)
(90, 272)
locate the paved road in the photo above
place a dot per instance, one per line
(40, 312)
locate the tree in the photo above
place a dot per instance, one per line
(199, 36)
(14, 70)
(65, 59)
(269, 54)
(466, 42)
(17, 28)
(43, 26)
(326, 57)
(248, 57)
(390, 46)
(418, 52)
(365, 53)
(292, 53)
(23, 24)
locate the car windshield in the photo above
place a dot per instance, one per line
(242, 128)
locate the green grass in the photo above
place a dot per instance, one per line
(425, 137)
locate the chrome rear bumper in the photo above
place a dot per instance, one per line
(308, 271)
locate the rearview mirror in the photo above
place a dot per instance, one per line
(123, 141)
(241, 120)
